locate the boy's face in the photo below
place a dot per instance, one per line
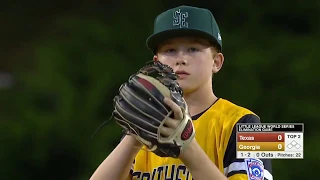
(192, 59)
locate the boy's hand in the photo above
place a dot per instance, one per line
(150, 106)
(171, 124)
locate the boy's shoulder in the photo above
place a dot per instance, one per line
(226, 106)
(227, 110)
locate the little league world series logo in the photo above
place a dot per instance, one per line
(255, 169)
(179, 19)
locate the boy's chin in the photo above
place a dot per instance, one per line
(186, 87)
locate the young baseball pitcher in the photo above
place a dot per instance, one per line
(188, 40)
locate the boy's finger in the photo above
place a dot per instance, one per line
(175, 108)
(165, 131)
(173, 123)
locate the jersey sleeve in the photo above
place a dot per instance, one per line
(236, 169)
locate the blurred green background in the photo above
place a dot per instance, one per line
(62, 62)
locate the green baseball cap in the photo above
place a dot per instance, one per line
(184, 21)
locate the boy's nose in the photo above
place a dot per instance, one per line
(181, 61)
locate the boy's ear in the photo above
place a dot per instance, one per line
(155, 58)
(218, 60)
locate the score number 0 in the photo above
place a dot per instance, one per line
(279, 138)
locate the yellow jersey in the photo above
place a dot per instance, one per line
(215, 133)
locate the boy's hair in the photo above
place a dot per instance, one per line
(216, 47)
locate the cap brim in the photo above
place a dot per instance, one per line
(154, 40)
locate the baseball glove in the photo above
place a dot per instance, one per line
(140, 110)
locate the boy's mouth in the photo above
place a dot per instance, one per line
(182, 73)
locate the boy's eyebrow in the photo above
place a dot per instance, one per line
(168, 43)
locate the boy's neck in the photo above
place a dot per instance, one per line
(200, 100)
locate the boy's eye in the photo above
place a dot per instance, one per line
(170, 50)
(193, 49)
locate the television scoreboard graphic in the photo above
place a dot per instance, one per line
(270, 141)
